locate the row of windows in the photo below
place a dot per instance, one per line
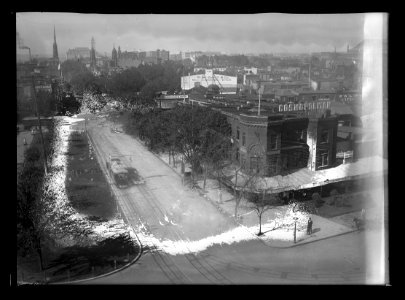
(273, 139)
(304, 106)
(255, 162)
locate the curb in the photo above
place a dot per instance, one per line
(313, 241)
(235, 220)
(117, 270)
(109, 273)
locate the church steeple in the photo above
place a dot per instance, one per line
(55, 46)
(93, 53)
(114, 57)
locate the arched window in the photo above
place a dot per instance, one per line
(280, 108)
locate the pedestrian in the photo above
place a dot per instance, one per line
(25, 141)
(309, 226)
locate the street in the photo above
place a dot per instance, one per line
(164, 214)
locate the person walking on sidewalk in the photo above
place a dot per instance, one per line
(309, 226)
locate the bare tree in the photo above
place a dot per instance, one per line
(260, 198)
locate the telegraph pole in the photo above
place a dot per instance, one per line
(258, 111)
(39, 123)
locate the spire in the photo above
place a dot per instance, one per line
(55, 46)
(93, 53)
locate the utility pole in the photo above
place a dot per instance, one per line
(39, 124)
(258, 111)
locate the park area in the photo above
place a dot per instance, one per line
(83, 192)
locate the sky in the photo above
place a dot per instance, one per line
(230, 34)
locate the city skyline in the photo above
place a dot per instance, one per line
(230, 34)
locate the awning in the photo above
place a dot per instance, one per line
(305, 178)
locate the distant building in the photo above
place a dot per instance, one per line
(251, 70)
(175, 57)
(191, 55)
(227, 84)
(165, 101)
(114, 58)
(270, 87)
(78, 53)
(157, 56)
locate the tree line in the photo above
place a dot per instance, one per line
(138, 83)
(201, 135)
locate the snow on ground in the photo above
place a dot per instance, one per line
(54, 187)
(236, 235)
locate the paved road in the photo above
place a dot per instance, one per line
(171, 212)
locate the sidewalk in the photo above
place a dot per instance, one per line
(274, 236)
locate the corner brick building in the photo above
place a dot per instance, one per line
(277, 144)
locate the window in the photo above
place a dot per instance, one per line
(299, 134)
(324, 159)
(273, 141)
(325, 136)
(313, 98)
(285, 107)
(280, 108)
(243, 138)
(237, 133)
(272, 167)
(254, 164)
(237, 154)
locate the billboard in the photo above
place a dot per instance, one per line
(223, 81)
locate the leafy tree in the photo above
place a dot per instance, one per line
(39, 215)
(126, 83)
(71, 68)
(32, 154)
(69, 104)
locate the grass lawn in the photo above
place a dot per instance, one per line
(89, 193)
(86, 185)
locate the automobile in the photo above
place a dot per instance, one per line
(118, 172)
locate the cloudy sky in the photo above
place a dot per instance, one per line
(249, 33)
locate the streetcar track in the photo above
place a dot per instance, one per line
(178, 278)
(213, 277)
(171, 270)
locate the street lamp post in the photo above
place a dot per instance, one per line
(295, 230)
